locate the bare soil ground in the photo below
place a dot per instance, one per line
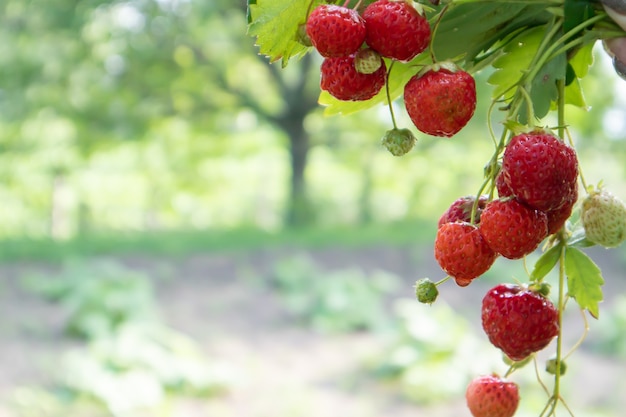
(224, 303)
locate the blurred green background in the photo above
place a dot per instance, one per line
(183, 233)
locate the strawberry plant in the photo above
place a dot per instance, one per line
(535, 52)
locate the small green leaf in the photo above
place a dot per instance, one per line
(543, 88)
(275, 24)
(584, 280)
(545, 263)
(517, 56)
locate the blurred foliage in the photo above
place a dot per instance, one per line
(139, 367)
(182, 243)
(608, 333)
(99, 297)
(333, 301)
(130, 361)
(432, 353)
(147, 115)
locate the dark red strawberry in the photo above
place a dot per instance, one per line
(492, 396)
(558, 217)
(461, 210)
(503, 189)
(440, 103)
(518, 321)
(462, 252)
(341, 79)
(540, 169)
(335, 31)
(511, 228)
(395, 29)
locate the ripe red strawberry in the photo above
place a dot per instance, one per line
(518, 321)
(503, 189)
(513, 229)
(492, 396)
(540, 169)
(335, 31)
(396, 29)
(462, 252)
(461, 210)
(341, 79)
(558, 217)
(440, 103)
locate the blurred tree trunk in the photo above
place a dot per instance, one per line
(298, 211)
(299, 103)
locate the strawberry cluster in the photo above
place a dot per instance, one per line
(358, 51)
(537, 189)
(536, 183)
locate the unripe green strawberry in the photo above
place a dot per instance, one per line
(492, 396)
(552, 368)
(367, 61)
(426, 291)
(604, 218)
(399, 141)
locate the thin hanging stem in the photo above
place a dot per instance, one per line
(582, 337)
(431, 49)
(393, 116)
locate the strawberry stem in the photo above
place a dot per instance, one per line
(308, 10)
(560, 85)
(582, 337)
(389, 103)
(580, 170)
(441, 281)
(559, 338)
(431, 49)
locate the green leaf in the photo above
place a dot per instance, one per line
(472, 28)
(574, 94)
(584, 280)
(545, 263)
(576, 12)
(543, 88)
(517, 56)
(582, 60)
(275, 24)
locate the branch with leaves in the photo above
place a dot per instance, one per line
(537, 52)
